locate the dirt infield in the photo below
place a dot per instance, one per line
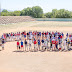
(15, 19)
(12, 61)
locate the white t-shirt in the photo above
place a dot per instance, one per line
(30, 37)
(64, 43)
(30, 41)
(45, 42)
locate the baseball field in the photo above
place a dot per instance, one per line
(11, 61)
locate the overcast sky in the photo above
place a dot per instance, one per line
(46, 5)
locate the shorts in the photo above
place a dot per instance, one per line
(14, 37)
(38, 43)
(53, 45)
(71, 44)
(2, 45)
(50, 45)
(57, 46)
(21, 45)
(17, 45)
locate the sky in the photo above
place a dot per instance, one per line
(46, 5)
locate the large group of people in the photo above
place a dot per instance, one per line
(39, 41)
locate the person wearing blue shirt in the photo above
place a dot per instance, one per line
(39, 44)
(22, 45)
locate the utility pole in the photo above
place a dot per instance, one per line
(0, 7)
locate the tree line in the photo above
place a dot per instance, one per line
(37, 12)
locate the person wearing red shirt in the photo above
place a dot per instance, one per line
(25, 35)
(18, 45)
(53, 44)
(61, 38)
(71, 44)
(35, 42)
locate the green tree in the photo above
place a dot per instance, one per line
(54, 13)
(16, 13)
(10, 13)
(37, 12)
(48, 15)
(4, 10)
(4, 14)
(26, 12)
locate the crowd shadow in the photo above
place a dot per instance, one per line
(0, 50)
(18, 51)
(42, 50)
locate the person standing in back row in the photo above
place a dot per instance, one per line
(25, 42)
(3, 44)
(39, 43)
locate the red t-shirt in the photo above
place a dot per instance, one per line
(15, 34)
(56, 42)
(35, 33)
(35, 42)
(53, 42)
(69, 35)
(47, 33)
(52, 32)
(11, 34)
(24, 33)
(19, 34)
(61, 36)
(17, 43)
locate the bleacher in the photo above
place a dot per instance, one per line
(15, 19)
